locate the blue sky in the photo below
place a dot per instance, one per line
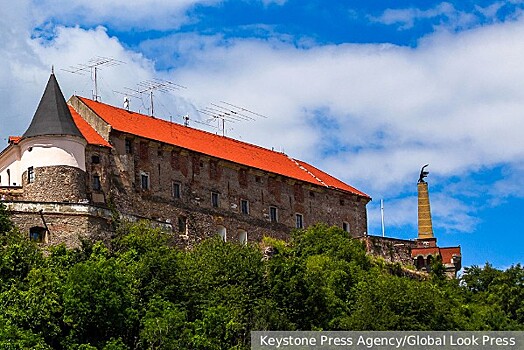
(366, 90)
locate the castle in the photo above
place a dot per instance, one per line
(80, 161)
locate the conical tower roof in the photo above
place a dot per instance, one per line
(52, 117)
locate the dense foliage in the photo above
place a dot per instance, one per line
(139, 292)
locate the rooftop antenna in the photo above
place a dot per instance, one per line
(149, 86)
(93, 66)
(225, 111)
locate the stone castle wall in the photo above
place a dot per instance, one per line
(390, 249)
(55, 184)
(122, 170)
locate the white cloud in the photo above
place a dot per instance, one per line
(443, 15)
(122, 14)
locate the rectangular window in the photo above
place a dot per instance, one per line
(273, 214)
(345, 226)
(299, 221)
(95, 159)
(30, 175)
(144, 181)
(129, 146)
(244, 206)
(214, 199)
(176, 190)
(182, 224)
(96, 183)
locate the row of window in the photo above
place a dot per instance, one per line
(241, 234)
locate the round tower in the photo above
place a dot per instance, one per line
(52, 152)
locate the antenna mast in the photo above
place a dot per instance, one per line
(149, 86)
(92, 66)
(224, 111)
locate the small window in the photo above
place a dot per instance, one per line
(342, 202)
(129, 146)
(37, 234)
(182, 225)
(299, 221)
(345, 227)
(242, 236)
(244, 206)
(144, 181)
(96, 183)
(176, 190)
(30, 175)
(214, 199)
(95, 159)
(222, 232)
(273, 214)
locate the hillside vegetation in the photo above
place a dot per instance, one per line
(140, 292)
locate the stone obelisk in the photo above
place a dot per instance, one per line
(425, 226)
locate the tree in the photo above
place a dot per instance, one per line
(6, 224)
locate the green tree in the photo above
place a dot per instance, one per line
(6, 224)
(100, 300)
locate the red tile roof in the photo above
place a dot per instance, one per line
(91, 136)
(14, 139)
(213, 145)
(448, 253)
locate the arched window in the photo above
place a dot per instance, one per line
(420, 262)
(222, 232)
(242, 236)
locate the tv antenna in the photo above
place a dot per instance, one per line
(150, 86)
(93, 66)
(225, 111)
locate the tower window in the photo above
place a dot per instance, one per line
(30, 175)
(96, 183)
(95, 159)
(299, 220)
(244, 206)
(214, 199)
(345, 226)
(273, 214)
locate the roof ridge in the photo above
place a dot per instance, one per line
(307, 171)
(180, 125)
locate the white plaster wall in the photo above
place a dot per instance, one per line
(53, 151)
(10, 160)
